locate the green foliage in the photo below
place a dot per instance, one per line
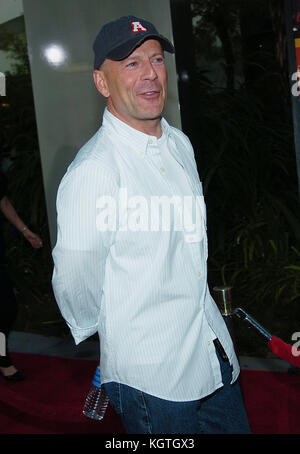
(15, 46)
(248, 166)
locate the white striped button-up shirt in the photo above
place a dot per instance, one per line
(119, 270)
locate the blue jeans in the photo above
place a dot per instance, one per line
(222, 412)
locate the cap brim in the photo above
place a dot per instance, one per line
(125, 49)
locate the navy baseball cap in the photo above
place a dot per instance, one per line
(118, 39)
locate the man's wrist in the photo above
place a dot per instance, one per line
(24, 229)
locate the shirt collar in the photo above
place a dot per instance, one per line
(138, 141)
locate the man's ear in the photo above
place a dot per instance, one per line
(101, 83)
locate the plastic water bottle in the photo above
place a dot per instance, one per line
(97, 400)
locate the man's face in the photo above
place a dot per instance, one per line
(136, 87)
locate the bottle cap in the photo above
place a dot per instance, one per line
(96, 380)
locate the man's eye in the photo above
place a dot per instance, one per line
(132, 64)
(159, 60)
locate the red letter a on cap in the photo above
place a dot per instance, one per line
(137, 27)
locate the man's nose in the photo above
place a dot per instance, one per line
(149, 71)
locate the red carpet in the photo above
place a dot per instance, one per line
(52, 398)
(50, 401)
(272, 401)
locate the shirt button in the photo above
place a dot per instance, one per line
(142, 153)
(162, 169)
(199, 274)
(150, 141)
(208, 343)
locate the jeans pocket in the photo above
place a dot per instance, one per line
(135, 410)
(113, 391)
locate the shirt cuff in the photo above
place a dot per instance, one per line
(80, 334)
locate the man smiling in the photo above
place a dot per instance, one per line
(167, 360)
(136, 87)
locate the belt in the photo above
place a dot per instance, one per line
(220, 350)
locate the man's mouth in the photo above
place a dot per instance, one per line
(150, 94)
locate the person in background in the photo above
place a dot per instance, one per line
(8, 302)
(167, 360)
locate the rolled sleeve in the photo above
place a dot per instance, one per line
(81, 250)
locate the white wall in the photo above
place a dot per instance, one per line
(10, 9)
